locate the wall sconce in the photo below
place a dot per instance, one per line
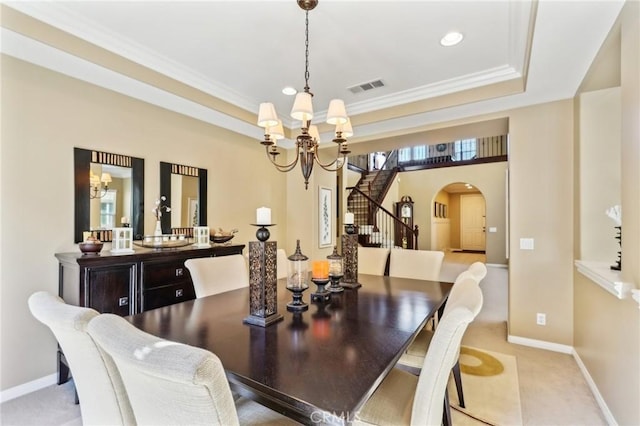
(95, 184)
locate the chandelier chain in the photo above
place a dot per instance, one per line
(306, 52)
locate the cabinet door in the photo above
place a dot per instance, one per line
(111, 289)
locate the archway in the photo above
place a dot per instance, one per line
(458, 218)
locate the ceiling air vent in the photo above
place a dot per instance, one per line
(366, 86)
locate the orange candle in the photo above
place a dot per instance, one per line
(320, 269)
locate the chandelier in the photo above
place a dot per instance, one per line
(95, 182)
(308, 141)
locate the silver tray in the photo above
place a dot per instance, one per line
(163, 241)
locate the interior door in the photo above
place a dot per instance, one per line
(472, 222)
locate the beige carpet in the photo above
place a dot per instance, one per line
(491, 389)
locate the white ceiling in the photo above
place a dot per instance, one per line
(245, 52)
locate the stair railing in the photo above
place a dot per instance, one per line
(380, 227)
(390, 163)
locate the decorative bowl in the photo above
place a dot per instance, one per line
(91, 247)
(219, 239)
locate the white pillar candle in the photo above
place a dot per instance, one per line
(348, 218)
(263, 216)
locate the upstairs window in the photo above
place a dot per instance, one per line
(465, 149)
(416, 153)
(404, 155)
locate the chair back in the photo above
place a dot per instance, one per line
(168, 383)
(283, 263)
(464, 284)
(213, 275)
(417, 264)
(479, 270)
(441, 356)
(102, 395)
(372, 260)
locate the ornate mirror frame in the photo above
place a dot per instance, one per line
(82, 159)
(166, 170)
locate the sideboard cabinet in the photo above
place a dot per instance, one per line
(126, 284)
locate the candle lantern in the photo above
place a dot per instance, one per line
(263, 280)
(336, 270)
(320, 277)
(298, 271)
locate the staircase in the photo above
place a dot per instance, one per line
(376, 225)
(375, 185)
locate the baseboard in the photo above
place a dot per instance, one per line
(497, 265)
(540, 344)
(594, 389)
(34, 385)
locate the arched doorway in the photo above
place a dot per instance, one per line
(458, 219)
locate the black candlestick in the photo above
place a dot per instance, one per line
(321, 294)
(262, 234)
(297, 304)
(335, 286)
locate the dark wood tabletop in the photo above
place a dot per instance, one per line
(324, 362)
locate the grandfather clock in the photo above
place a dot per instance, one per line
(404, 212)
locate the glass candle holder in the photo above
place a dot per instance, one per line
(336, 270)
(297, 269)
(298, 272)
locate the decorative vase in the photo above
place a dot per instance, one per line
(158, 230)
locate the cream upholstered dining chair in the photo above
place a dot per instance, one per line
(213, 275)
(418, 264)
(404, 398)
(171, 383)
(103, 399)
(415, 353)
(479, 270)
(372, 260)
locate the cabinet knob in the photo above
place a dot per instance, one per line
(123, 301)
(179, 292)
(179, 272)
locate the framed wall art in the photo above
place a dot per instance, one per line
(324, 217)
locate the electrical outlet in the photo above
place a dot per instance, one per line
(541, 319)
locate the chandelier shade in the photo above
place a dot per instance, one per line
(277, 131)
(267, 116)
(302, 107)
(345, 129)
(337, 113)
(308, 141)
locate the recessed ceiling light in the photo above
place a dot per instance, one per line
(451, 39)
(289, 91)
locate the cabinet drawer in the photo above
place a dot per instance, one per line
(163, 296)
(159, 274)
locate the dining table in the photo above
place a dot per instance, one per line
(318, 366)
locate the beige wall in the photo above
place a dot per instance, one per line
(423, 185)
(607, 329)
(599, 172)
(45, 115)
(541, 196)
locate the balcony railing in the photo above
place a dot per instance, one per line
(458, 153)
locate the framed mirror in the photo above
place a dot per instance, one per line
(186, 190)
(109, 189)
